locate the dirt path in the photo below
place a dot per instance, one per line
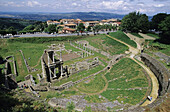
(147, 37)
(136, 39)
(133, 50)
(155, 85)
(101, 91)
(37, 63)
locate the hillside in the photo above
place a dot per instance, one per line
(18, 24)
(74, 15)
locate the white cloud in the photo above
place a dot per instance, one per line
(33, 3)
(74, 4)
(115, 5)
(159, 5)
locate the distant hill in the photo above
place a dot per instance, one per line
(18, 24)
(51, 16)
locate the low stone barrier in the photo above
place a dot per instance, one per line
(160, 72)
(162, 75)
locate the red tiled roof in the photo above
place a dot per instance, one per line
(69, 29)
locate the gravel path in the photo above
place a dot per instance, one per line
(147, 37)
(155, 85)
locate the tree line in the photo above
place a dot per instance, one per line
(137, 22)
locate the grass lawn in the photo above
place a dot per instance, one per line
(92, 85)
(137, 35)
(127, 96)
(121, 36)
(153, 35)
(124, 75)
(79, 75)
(158, 47)
(106, 44)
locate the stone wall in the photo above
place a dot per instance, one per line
(160, 72)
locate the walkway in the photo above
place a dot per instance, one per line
(147, 37)
(111, 63)
(155, 85)
(137, 40)
(133, 50)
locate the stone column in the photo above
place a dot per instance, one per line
(48, 59)
(55, 72)
(53, 58)
(61, 64)
(85, 51)
(15, 71)
(50, 73)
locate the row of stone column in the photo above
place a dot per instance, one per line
(87, 53)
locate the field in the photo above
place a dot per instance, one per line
(121, 36)
(137, 35)
(123, 78)
(124, 82)
(153, 35)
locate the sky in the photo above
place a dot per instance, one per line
(149, 7)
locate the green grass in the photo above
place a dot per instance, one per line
(69, 47)
(121, 36)
(92, 85)
(137, 35)
(106, 44)
(126, 74)
(153, 35)
(79, 75)
(127, 96)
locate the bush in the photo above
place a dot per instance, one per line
(121, 36)
(43, 39)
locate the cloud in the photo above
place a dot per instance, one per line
(160, 0)
(33, 3)
(114, 5)
(159, 5)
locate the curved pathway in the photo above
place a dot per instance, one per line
(131, 49)
(147, 37)
(155, 84)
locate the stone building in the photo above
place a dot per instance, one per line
(52, 68)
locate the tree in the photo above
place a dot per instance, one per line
(165, 28)
(51, 28)
(106, 26)
(114, 27)
(143, 23)
(80, 28)
(59, 29)
(157, 19)
(129, 22)
(97, 28)
(135, 22)
(29, 27)
(3, 32)
(70, 106)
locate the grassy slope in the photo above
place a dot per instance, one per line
(129, 75)
(153, 35)
(106, 44)
(137, 35)
(18, 24)
(92, 85)
(121, 36)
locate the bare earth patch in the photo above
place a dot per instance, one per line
(70, 56)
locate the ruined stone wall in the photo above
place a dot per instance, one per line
(160, 72)
(163, 77)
